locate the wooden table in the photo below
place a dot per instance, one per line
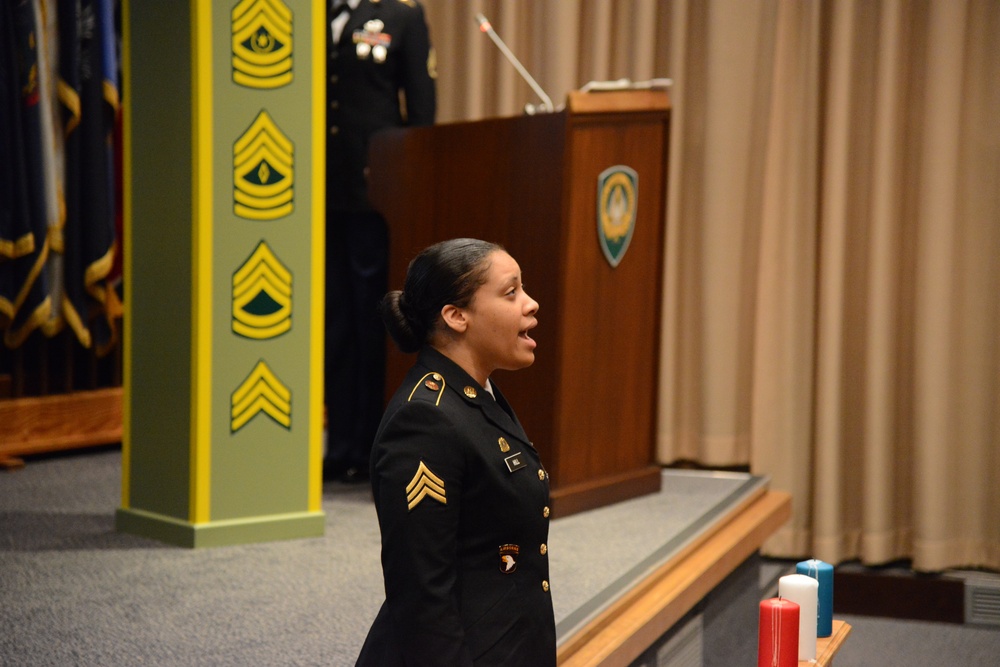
(827, 647)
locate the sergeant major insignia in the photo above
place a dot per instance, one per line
(617, 196)
(262, 44)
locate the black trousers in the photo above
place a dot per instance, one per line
(357, 259)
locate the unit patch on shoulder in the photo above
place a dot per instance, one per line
(423, 485)
(508, 558)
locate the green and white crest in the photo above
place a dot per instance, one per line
(617, 197)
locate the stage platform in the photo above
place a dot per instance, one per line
(628, 575)
(632, 582)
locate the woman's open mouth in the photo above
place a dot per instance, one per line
(523, 335)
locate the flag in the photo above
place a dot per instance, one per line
(24, 248)
(52, 158)
(89, 100)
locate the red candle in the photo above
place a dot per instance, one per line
(778, 634)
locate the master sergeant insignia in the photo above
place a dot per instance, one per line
(263, 171)
(424, 484)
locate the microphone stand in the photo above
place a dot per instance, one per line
(547, 106)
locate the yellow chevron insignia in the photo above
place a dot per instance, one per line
(425, 484)
(262, 44)
(263, 171)
(262, 391)
(262, 296)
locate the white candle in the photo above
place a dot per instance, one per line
(803, 591)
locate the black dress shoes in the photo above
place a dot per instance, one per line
(354, 475)
(344, 473)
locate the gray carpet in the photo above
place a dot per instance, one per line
(75, 592)
(881, 642)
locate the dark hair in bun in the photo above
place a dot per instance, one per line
(445, 273)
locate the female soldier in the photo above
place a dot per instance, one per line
(461, 496)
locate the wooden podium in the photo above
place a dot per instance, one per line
(531, 183)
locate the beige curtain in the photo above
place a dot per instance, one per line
(562, 43)
(832, 291)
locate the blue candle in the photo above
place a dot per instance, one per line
(823, 573)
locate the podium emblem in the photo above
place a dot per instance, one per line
(617, 196)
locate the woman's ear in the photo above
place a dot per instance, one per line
(454, 318)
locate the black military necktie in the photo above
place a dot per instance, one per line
(338, 8)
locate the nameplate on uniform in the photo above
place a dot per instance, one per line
(515, 462)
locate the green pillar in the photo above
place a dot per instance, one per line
(224, 135)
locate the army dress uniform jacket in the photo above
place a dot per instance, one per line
(462, 502)
(383, 48)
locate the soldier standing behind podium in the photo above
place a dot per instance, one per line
(380, 74)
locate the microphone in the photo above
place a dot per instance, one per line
(626, 84)
(484, 26)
